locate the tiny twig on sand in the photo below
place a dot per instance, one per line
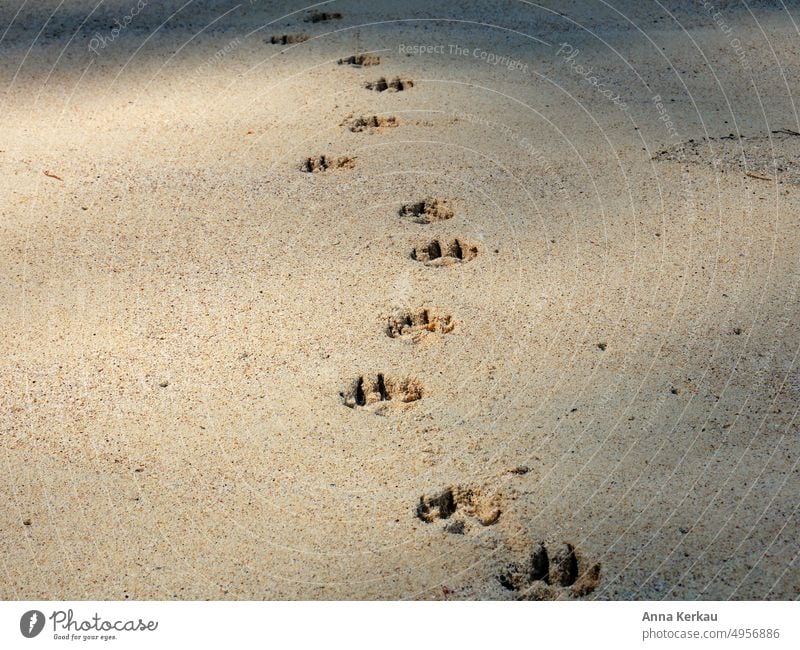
(52, 175)
(758, 176)
(786, 131)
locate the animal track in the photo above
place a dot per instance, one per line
(322, 16)
(361, 60)
(288, 39)
(396, 85)
(467, 500)
(417, 324)
(378, 390)
(427, 211)
(444, 253)
(372, 122)
(545, 577)
(324, 163)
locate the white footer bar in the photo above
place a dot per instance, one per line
(379, 625)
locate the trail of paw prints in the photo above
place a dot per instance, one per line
(543, 572)
(551, 574)
(461, 507)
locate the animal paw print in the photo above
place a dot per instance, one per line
(462, 503)
(322, 16)
(415, 325)
(325, 163)
(288, 39)
(427, 211)
(551, 576)
(444, 252)
(377, 392)
(394, 85)
(372, 123)
(360, 60)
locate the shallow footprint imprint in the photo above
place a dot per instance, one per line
(324, 163)
(543, 576)
(378, 391)
(444, 252)
(360, 60)
(288, 39)
(395, 85)
(415, 325)
(371, 123)
(322, 16)
(465, 500)
(427, 211)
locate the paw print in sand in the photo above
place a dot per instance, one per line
(454, 501)
(551, 576)
(376, 392)
(413, 325)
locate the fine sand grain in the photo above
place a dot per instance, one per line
(399, 300)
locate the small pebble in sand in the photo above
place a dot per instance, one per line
(602, 346)
(26, 522)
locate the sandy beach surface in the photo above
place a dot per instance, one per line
(505, 306)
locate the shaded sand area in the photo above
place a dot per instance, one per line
(437, 302)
